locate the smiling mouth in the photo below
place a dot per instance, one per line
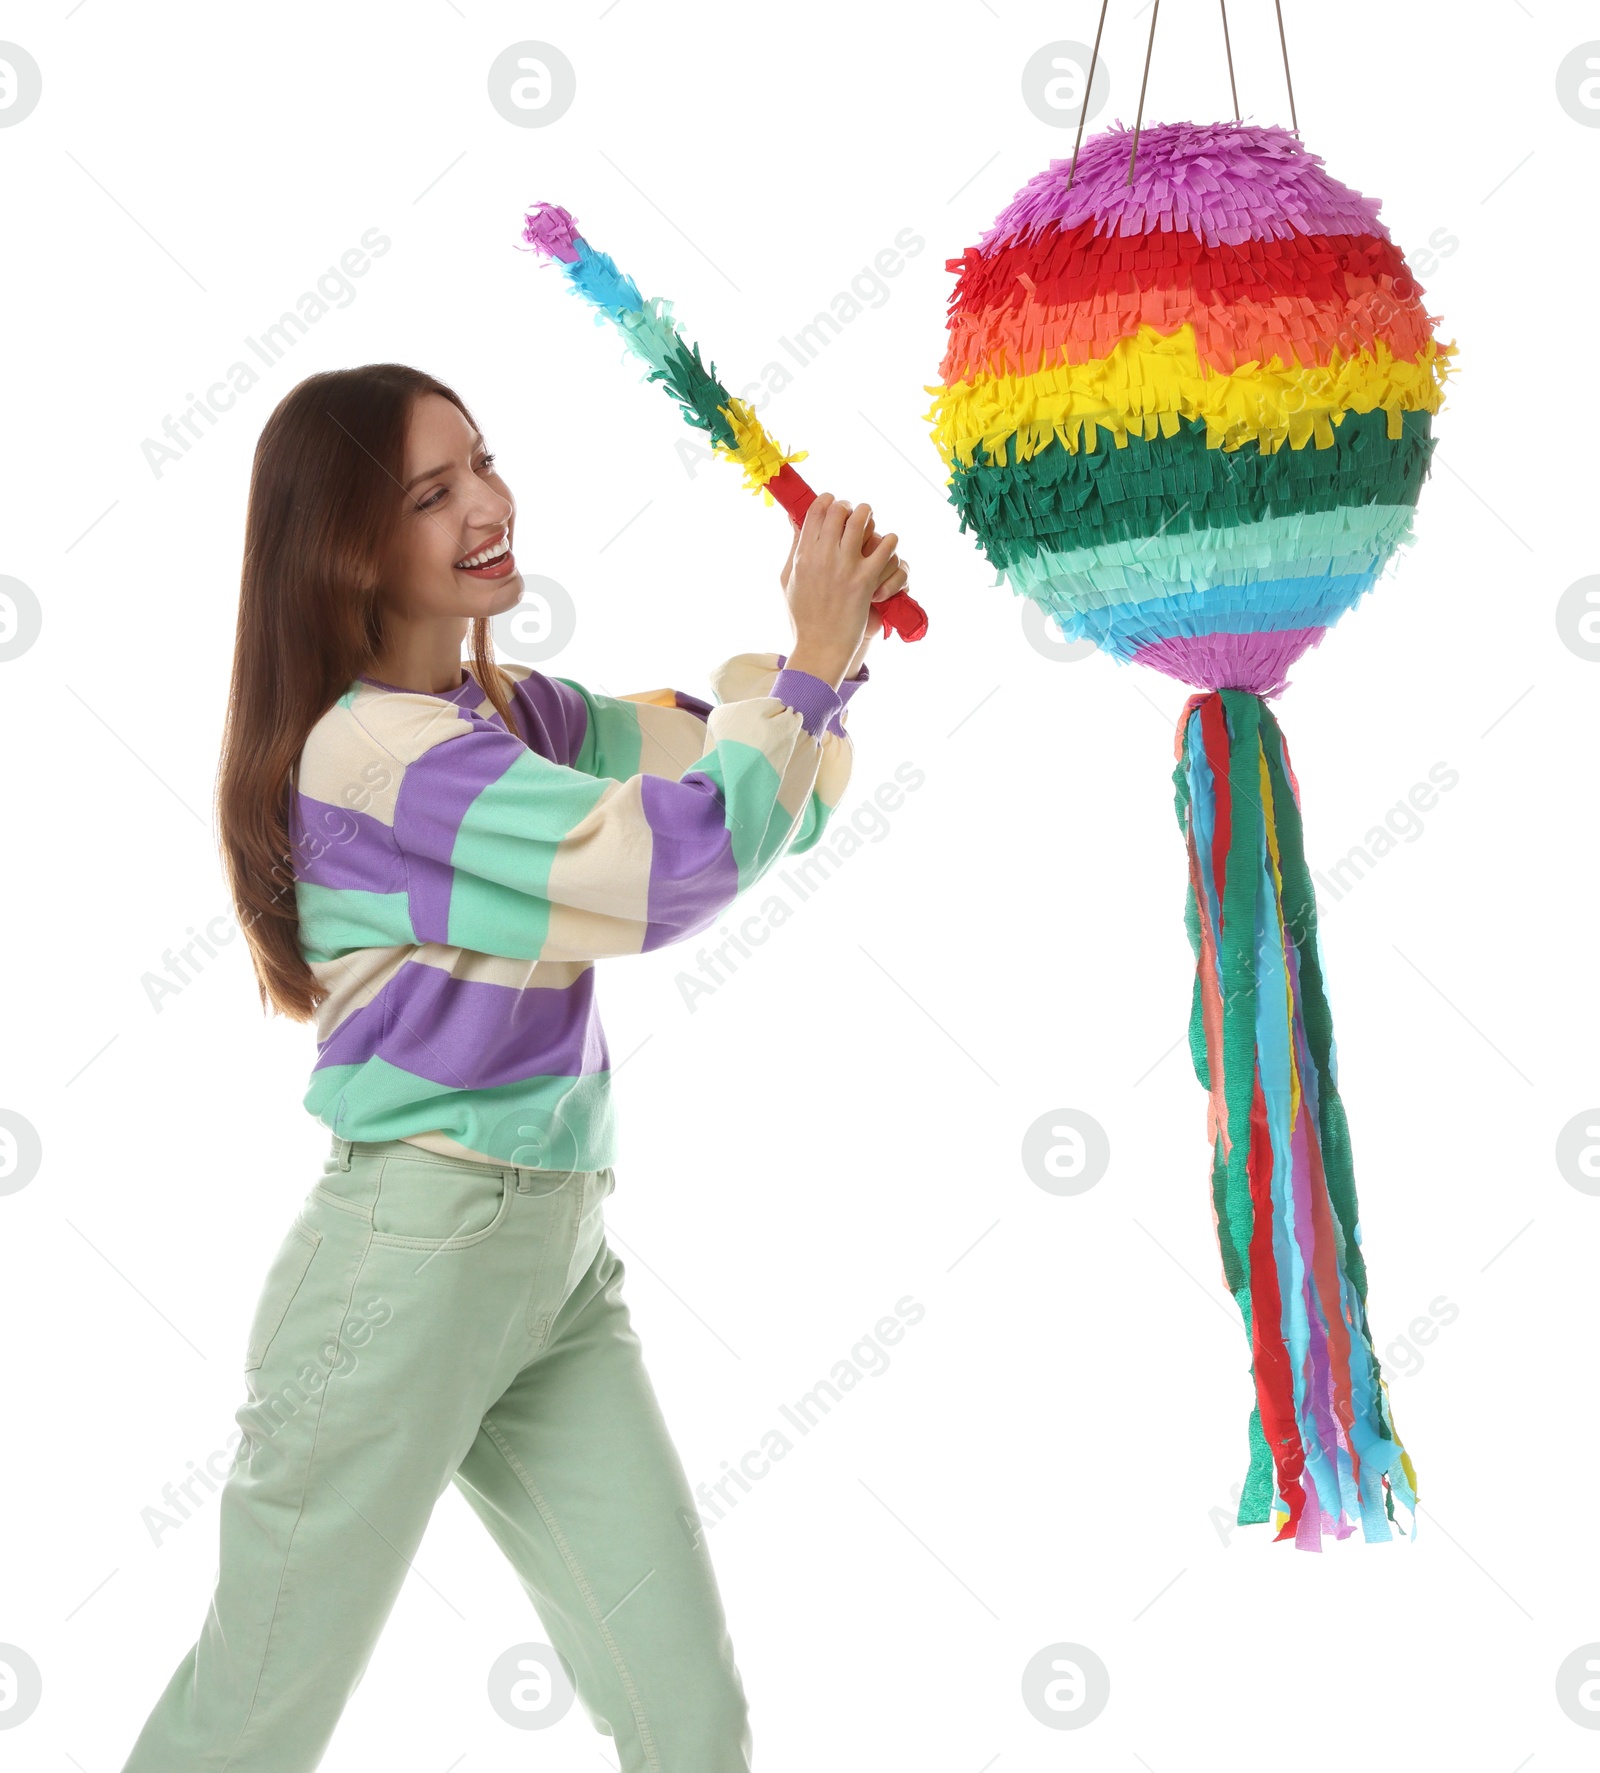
(492, 561)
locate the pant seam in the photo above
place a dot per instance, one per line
(607, 1637)
(547, 1319)
(311, 1459)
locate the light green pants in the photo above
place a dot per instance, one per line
(430, 1320)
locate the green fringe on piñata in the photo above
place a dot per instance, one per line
(1178, 484)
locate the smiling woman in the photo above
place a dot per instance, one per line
(427, 859)
(457, 524)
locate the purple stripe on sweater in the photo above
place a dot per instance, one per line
(846, 690)
(550, 715)
(693, 871)
(335, 846)
(812, 699)
(847, 686)
(693, 704)
(435, 792)
(553, 716)
(468, 1035)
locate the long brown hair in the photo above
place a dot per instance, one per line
(321, 524)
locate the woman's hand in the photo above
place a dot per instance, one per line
(838, 567)
(895, 579)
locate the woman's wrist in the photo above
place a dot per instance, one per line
(830, 666)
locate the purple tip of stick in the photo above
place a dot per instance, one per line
(551, 229)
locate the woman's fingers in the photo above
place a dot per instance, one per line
(896, 579)
(857, 524)
(882, 550)
(841, 540)
(894, 562)
(817, 516)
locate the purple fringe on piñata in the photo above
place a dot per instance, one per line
(1202, 178)
(1255, 662)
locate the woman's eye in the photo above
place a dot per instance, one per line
(433, 498)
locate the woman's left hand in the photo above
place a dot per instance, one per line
(893, 580)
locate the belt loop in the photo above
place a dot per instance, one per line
(518, 1175)
(345, 1148)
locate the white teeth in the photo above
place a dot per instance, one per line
(484, 556)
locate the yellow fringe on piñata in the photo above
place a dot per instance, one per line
(1151, 381)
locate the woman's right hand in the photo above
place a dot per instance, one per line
(830, 583)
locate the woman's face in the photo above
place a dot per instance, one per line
(455, 509)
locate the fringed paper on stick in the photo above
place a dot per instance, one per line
(652, 334)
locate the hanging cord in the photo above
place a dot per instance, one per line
(1288, 77)
(1227, 44)
(1138, 122)
(1088, 92)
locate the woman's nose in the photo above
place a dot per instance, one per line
(494, 513)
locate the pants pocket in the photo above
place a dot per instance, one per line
(283, 1281)
(437, 1206)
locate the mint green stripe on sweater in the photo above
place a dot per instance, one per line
(811, 824)
(493, 919)
(502, 860)
(333, 920)
(613, 743)
(747, 779)
(556, 1122)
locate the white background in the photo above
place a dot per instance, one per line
(1050, 1454)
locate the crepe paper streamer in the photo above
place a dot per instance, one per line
(1188, 414)
(1283, 1187)
(652, 335)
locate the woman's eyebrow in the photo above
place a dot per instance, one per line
(428, 473)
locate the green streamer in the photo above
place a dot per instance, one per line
(1300, 917)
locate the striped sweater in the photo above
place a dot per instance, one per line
(455, 883)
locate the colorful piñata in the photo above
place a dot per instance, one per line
(1188, 415)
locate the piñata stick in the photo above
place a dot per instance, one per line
(652, 334)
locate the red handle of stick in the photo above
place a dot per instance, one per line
(900, 614)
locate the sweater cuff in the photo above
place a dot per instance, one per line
(847, 688)
(695, 705)
(812, 699)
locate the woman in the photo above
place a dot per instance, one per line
(429, 862)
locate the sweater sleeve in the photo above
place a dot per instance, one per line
(663, 732)
(847, 689)
(509, 853)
